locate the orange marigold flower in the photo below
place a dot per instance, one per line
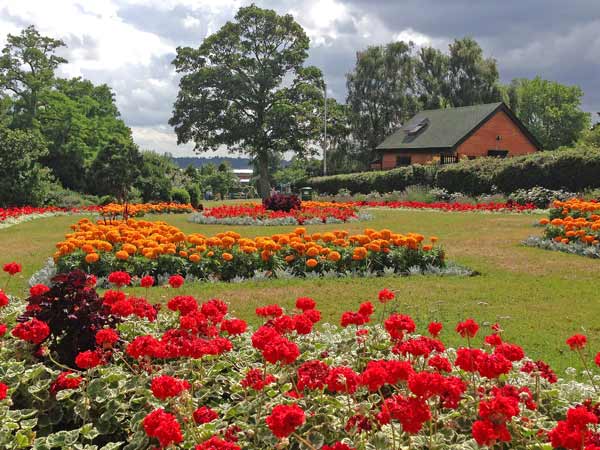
(311, 262)
(91, 258)
(227, 256)
(334, 256)
(122, 255)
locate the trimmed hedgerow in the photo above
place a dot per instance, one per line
(382, 181)
(569, 169)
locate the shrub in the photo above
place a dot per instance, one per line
(539, 196)
(195, 194)
(74, 313)
(570, 169)
(381, 181)
(180, 195)
(282, 202)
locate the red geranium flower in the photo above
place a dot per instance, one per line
(166, 386)
(577, 342)
(163, 426)
(234, 326)
(285, 419)
(34, 331)
(12, 268)
(147, 281)
(305, 303)
(257, 379)
(269, 311)
(88, 359)
(385, 295)
(119, 278)
(434, 329)
(65, 380)
(38, 289)
(4, 300)
(337, 446)
(3, 391)
(204, 415)
(216, 443)
(468, 328)
(176, 281)
(107, 336)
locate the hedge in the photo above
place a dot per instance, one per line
(382, 181)
(569, 169)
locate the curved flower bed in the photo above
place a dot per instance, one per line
(573, 226)
(256, 214)
(126, 375)
(15, 215)
(446, 206)
(142, 247)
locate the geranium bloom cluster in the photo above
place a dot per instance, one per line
(198, 378)
(156, 247)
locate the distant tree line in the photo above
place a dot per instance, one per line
(246, 87)
(60, 137)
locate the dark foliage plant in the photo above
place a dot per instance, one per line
(73, 311)
(282, 202)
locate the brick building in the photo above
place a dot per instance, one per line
(447, 135)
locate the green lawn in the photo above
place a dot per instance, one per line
(539, 297)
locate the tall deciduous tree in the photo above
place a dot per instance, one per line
(550, 110)
(432, 78)
(77, 119)
(472, 79)
(27, 68)
(115, 169)
(381, 93)
(246, 87)
(23, 181)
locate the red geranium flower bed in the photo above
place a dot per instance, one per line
(447, 206)
(309, 211)
(17, 212)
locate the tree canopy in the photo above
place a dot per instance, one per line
(550, 110)
(246, 87)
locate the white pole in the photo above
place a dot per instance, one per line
(325, 136)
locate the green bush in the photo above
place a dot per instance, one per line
(195, 194)
(573, 170)
(569, 169)
(66, 198)
(381, 181)
(180, 195)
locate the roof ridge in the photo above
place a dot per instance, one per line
(460, 107)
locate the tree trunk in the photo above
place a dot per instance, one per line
(264, 185)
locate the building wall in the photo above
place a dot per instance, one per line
(478, 144)
(418, 157)
(484, 138)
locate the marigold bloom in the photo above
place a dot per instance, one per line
(311, 262)
(91, 258)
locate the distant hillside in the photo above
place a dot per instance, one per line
(236, 163)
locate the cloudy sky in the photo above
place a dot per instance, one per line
(129, 44)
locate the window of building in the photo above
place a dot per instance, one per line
(498, 153)
(402, 160)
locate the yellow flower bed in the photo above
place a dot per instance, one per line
(140, 246)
